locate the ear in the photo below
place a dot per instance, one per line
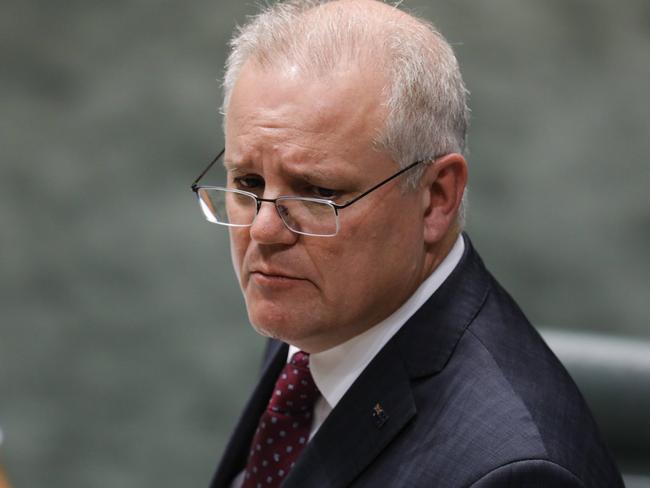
(443, 184)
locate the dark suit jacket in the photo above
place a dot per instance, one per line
(470, 396)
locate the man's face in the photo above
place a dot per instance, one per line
(287, 134)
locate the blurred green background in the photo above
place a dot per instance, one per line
(125, 354)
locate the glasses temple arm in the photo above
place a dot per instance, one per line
(358, 197)
(208, 168)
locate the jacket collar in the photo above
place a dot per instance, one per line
(442, 320)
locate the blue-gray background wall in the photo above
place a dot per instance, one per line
(124, 348)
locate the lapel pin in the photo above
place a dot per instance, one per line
(379, 415)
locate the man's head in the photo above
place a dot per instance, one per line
(325, 100)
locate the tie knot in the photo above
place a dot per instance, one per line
(295, 391)
(300, 358)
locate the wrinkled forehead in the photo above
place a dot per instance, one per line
(346, 102)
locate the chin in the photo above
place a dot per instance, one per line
(277, 324)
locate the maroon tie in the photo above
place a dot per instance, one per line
(283, 430)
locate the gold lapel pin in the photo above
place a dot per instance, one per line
(379, 415)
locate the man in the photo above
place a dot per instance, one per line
(396, 359)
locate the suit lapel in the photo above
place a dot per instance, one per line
(236, 452)
(428, 340)
(367, 418)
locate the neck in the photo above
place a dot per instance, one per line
(437, 252)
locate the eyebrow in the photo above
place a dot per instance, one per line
(308, 172)
(316, 174)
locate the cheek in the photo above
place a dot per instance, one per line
(346, 270)
(376, 254)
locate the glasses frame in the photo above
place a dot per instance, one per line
(336, 206)
(276, 202)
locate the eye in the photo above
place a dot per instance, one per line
(325, 193)
(248, 182)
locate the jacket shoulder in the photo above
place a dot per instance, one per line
(525, 373)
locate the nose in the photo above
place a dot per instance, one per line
(268, 227)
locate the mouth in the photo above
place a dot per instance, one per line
(272, 278)
(274, 275)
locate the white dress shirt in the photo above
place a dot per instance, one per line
(336, 369)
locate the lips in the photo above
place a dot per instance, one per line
(274, 278)
(274, 274)
(274, 283)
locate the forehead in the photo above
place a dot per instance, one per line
(282, 109)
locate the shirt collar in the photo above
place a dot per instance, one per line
(336, 369)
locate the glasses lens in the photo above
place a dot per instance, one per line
(227, 207)
(310, 217)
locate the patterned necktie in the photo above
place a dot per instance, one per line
(284, 426)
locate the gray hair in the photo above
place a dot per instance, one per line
(425, 96)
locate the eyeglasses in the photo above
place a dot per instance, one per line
(303, 215)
